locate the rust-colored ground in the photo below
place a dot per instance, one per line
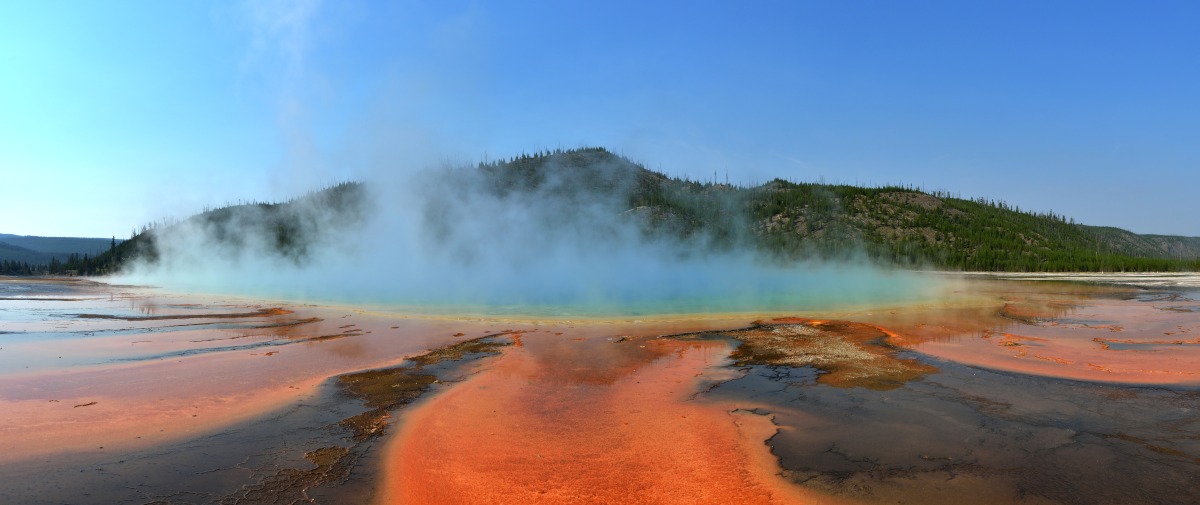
(582, 419)
(157, 368)
(596, 411)
(1116, 336)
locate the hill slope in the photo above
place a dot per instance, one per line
(287, 229)
(9, 252)
(910, 227)
(790, 221)
(781, 221)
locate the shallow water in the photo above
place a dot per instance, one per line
(1023, 391)
(740, 289)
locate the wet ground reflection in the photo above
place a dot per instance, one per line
(1095, 333)
(993, 436)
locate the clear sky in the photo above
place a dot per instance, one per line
(114, 114)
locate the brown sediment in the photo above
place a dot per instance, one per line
(1153, 447)
(1105, 342)
(1053, 359)
(1178, 309)
(333, 336)
(385, 390)
(273, 311)
(848, 354)
(1019, 313)
(1014, 340)
(291, 485)
(246, 325)
(285, 323)
(482, 345)
(381, 391)
(1035, 311)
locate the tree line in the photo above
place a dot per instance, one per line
(75, 264)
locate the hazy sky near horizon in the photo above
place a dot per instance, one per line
(114, 114)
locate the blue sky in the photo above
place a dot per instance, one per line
(114, 114)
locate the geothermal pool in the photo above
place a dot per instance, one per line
(1056, 390)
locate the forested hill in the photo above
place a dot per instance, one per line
(781, 220)
(900, 226)
(910, 227)
(287, 229)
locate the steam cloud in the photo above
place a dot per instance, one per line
(454, 239)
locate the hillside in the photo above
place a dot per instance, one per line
(781, 221)
(9, 252)
(1157, 246)
(286, 229)
(910, 227)
(900, 226)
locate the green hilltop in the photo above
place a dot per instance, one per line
(782, 221)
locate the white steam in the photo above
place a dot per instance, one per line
(450, 240)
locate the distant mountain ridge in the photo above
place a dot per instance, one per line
(782, 221)
(39, 252)
(9, 252)
(59, 245)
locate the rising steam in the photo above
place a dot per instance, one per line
(558, 236)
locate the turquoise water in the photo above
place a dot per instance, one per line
(701, 292)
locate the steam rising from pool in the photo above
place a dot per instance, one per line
(450, 240)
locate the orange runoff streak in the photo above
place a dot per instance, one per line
(525, 432)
